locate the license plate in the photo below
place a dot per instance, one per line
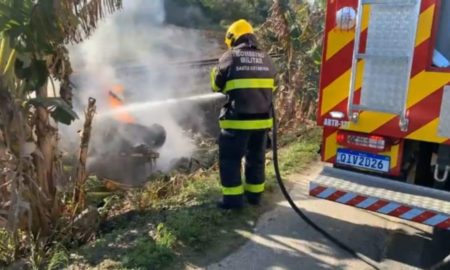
(363, 160)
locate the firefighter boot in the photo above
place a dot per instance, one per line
(231, 202)
(253, 198)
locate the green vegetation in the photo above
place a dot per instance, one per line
(293, 31)
(171, 221)
(182, 225)
(6, 247)
(213, 14)
(34, 204)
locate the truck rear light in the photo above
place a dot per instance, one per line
(374, 142)
(340, 138)
(369, 142)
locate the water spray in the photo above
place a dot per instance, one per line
(151, 105)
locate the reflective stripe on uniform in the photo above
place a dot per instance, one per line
(246, 124)
(249, 83)
(239, 190)
(212, 75)
(254, 188)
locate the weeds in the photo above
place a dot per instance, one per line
(167, 221)
(174, 217)
(152, 252)
(194, 227)
(7, 248)
(300, 152)
(164, 237)
(149, 254)
(37, 252)
(59, 258)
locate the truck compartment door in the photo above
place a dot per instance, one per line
(387, 59)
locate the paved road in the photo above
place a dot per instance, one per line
(282, 241)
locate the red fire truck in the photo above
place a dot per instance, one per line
(385, 108)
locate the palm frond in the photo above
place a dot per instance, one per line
(33, 39)
(78, 18)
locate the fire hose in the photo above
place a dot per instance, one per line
(288, 197)
(298, 211)
(444, 264)
(440, 265)
(284, 191)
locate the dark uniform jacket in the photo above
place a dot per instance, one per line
(246, 75)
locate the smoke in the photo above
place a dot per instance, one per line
(136, 49)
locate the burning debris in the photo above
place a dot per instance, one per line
(141, 125)
(126, 161)
(129, 161)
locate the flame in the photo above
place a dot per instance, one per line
(115, 98)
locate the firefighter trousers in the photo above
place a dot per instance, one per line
(234, 145)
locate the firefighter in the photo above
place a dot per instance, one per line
(245, 74)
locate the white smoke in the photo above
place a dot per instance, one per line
(134, 48)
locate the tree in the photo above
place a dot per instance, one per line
(294, 32)
(33, 36)
(215, 14)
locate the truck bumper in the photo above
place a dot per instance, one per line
(384, 196)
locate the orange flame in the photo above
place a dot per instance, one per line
(115, 98)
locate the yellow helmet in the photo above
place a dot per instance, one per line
(236, 30)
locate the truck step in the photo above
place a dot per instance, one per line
(389, 197)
